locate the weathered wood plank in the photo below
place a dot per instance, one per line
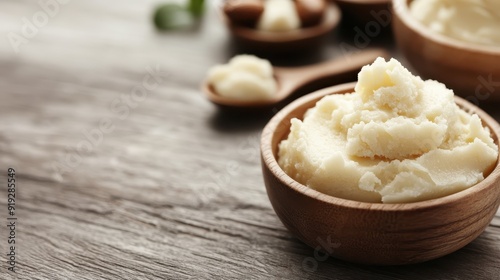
(174, 189)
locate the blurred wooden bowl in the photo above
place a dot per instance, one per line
(303, 39)
(375, 233)
(472, 71)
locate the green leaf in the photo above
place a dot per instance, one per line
(172, 16)
(196, 7)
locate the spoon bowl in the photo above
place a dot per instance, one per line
(305, 38)
(375, 233)
(290, 80)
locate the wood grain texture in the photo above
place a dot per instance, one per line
(175, 190)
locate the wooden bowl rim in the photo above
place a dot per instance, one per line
(331, 19)
(271, 163)
(400, 9)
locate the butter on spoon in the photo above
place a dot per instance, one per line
(289, 80)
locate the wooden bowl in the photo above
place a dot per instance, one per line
(472, 71)
(375, 233)
(303, 39)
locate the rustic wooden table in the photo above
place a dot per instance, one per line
(125, 171)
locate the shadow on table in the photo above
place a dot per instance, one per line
(237, 120)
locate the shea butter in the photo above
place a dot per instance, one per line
(473, 21)
(396, 139)
(279, 15)
(245, 77)
(275, 15)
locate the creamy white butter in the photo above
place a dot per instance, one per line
(473, 21)
(279, 15)
(245, 77)
(396, 139)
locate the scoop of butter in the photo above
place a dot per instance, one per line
(473, 21)
(396, 139)
(279, 15)
(245, 77)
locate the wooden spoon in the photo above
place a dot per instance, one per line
(301, 39)
(290, 79)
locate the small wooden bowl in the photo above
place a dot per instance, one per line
(306, 38)
(375, 233)
(466, 68)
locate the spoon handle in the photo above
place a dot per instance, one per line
(329, 73)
